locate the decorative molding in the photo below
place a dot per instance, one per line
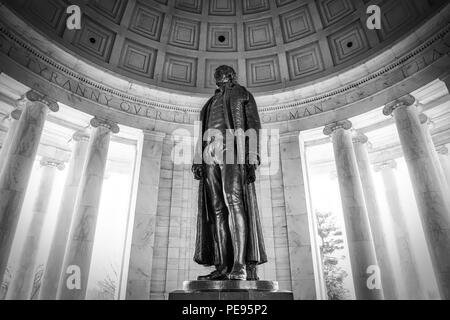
(222, 37)
(146, 21)
(296, 24)
(304, 61)
(395, 15)
(259, 34)
(263, 71)
(194, 6)
(95, 40)
(222, 7)
(332, 11)
(46, 67)
(112, 9)
(348, 43)
(112, 21)
(255, 6)
(138, 59)
(398, 63)
(184, 33)
(180, 70)
(281, 3)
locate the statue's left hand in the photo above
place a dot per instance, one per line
(197, 170)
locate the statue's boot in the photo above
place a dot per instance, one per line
(251, 272)
(215, 275)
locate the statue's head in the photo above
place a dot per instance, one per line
(224, 74)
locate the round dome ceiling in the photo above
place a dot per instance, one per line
(272, 44)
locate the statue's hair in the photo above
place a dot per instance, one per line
(224, 70)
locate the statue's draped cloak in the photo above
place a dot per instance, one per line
(240, 113)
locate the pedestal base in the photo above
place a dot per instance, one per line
(230, 290)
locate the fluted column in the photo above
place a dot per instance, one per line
(433, 204)
(444, 158)
(52, 273)
(22, 281)
(408, 265)
(77, 260)
(13, 121)
(143, 239)
(375, 218)
(17, 167)
(359, 238)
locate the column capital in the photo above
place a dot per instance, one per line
(360, 137)
(51, 162)
(342, 124)
(80, 135)
(105, 123)
(33, 96)
(442, 150)
(406, 100)
(389, 164)
(426, 120)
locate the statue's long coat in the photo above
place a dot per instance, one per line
(240, 113)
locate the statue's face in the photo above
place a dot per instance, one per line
(224, 74)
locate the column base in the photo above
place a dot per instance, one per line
(230, 290)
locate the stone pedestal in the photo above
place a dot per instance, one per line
(230, 290)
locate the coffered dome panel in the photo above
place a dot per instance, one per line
(175, 45)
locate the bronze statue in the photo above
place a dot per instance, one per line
(229, 233)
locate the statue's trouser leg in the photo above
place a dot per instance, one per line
(232, 185)
(221, 230)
